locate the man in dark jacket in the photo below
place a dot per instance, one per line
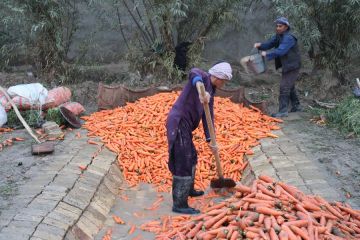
(184, 117)
(287, 56)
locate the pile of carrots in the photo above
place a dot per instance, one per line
(267, 210)
(137, 133)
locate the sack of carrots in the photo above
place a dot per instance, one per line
(267, 210)
(136, 132)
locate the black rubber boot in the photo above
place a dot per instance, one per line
(283, 106)
(193, 192)
(295, 103)
(180, 192)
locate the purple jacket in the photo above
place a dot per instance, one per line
(188, 106)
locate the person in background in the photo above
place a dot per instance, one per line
(183, 118)
(286, 53)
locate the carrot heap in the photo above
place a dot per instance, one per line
(267, 210)
(137, 133)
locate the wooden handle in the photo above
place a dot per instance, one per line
(212, 132)
(19, 115)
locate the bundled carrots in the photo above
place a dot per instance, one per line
(267, 210)
(136, 132)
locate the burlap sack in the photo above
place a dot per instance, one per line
(114, 96)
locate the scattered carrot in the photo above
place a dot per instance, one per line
(107, 235)
(118, 220)
(82, 167)
(132, 229)
(18, 139)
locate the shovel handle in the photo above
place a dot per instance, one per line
(19, 115)
(211, 130)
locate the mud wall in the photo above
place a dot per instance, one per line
(99, 34)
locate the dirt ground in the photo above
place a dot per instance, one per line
(15, 161)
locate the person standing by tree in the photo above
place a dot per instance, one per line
(287, 56)
(183, 119)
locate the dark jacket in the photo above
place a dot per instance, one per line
(286, 52)
(188, 107)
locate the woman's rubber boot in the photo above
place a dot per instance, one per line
(180, 193)
(193, 192)
(283, 106)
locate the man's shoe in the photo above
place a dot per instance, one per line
(297, 108)
(280, 114)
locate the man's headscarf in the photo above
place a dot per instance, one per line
(221, 70)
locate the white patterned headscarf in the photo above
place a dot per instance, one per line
(221, 70)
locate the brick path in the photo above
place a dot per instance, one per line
(61, 201)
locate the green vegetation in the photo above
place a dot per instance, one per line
(160, 25)
(345, 116)
(37, 32)
(329, 31)
(40, 33)
(32, 117)
(54, 115)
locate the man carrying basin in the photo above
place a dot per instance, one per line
(285, 51)
(183, 119)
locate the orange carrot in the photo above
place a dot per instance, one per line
(273, 235)
(118, 220)
(234, 235)
(283, 235)
(213, 220)
(299, 232)
(289, 232)
(195, 230)
(268, 211)
(132, 229)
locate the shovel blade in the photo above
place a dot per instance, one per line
(222, 183)
(42, 148)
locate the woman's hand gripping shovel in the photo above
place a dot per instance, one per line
(221, 182)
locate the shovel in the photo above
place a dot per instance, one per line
(221, 182)
(38, 148)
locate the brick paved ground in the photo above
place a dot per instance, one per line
(280, 158)
(60, 201)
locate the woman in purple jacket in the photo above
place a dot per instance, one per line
(183, 119)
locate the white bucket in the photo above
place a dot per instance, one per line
(254, 63)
